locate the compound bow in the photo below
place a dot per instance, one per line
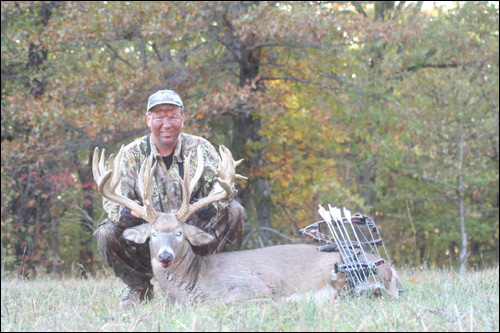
(353, 236)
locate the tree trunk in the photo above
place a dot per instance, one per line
(246, 125)
(85, 255)
(463, 233)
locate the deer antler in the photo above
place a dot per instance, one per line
(107, 176)
(225, 183)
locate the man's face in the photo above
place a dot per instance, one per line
(165, 122)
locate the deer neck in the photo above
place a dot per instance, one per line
(183, 278)
(187, 264)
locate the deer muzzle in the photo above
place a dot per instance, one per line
(165, 258)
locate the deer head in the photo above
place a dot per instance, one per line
(168, 232)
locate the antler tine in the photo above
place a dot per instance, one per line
(115, 164)
(188, 184)
(185, 186)
(199, 171)
(224, 187)
(146, 175)
(230, 163)
(238, 176)
(101, 161)
(238, 162)
(225, 156)
(107, 176)
(95, 164)
(227, 167)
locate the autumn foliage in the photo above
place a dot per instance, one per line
(387, 108)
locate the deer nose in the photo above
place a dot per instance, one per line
(165, 257)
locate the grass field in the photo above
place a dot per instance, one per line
(434, 300)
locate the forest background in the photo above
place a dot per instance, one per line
(388, 108)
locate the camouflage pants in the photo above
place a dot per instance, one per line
(131, 262)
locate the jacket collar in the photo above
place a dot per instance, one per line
(177, 150)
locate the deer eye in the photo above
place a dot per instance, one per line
(179, 233)
(153, 234)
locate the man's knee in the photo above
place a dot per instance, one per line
(236, 212)
(234, 233)
(105, 234)
(131, 262)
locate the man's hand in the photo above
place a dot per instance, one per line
(129, 218)
(205, 213)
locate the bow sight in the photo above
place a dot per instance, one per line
(356, 237)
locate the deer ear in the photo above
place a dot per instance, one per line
(137, 234)
(196, 236)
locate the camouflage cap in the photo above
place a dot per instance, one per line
(164, 97)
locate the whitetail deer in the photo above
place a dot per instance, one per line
(283, 270)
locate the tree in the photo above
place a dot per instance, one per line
(328, 102)
(441, 106)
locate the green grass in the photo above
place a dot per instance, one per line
(434, 300)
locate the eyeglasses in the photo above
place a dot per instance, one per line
(174, 120)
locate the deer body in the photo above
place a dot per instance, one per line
(235, 276)
(274, 271)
